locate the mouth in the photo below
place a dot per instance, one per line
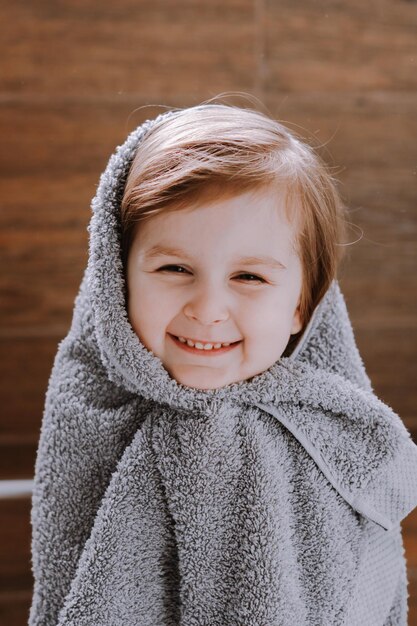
(202, 351)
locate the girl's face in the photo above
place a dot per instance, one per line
(224, 272)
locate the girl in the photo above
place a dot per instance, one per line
(212, 452)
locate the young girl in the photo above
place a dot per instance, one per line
(212, 452)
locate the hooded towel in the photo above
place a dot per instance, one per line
(274, 501)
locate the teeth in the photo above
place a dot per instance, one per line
(200, 346)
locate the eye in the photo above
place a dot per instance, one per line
(257, 278)
(172, 268)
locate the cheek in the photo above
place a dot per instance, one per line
(150, 311)
(256, 321)
(269, 319)
(140, 307)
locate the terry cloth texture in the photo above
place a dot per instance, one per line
(274, 501)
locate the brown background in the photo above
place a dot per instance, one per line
(73, 78)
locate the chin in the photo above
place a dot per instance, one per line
(199, 382)
(203, 386)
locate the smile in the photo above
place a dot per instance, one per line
(207, 351)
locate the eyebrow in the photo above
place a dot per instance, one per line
(164, 250)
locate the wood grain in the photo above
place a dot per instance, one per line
(341, 47)
(157, 48)
(78, 77)
(15, 565)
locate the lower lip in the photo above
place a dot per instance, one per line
(212, 352)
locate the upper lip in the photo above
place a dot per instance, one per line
(206, 340)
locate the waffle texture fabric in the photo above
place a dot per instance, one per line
(274, 501)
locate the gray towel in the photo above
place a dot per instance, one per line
(274, 501)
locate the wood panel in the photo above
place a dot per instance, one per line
(333, 46)
(77, 77)
(16, 579)
(15, 575)
(25, 366)
(158, 48)
(193, 47)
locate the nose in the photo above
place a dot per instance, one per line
(207, 305)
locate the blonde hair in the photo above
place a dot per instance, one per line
(187, 156)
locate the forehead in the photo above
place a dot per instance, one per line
(251, 222)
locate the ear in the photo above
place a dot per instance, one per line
(296, 322)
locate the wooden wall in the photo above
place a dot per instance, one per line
(74, 76)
